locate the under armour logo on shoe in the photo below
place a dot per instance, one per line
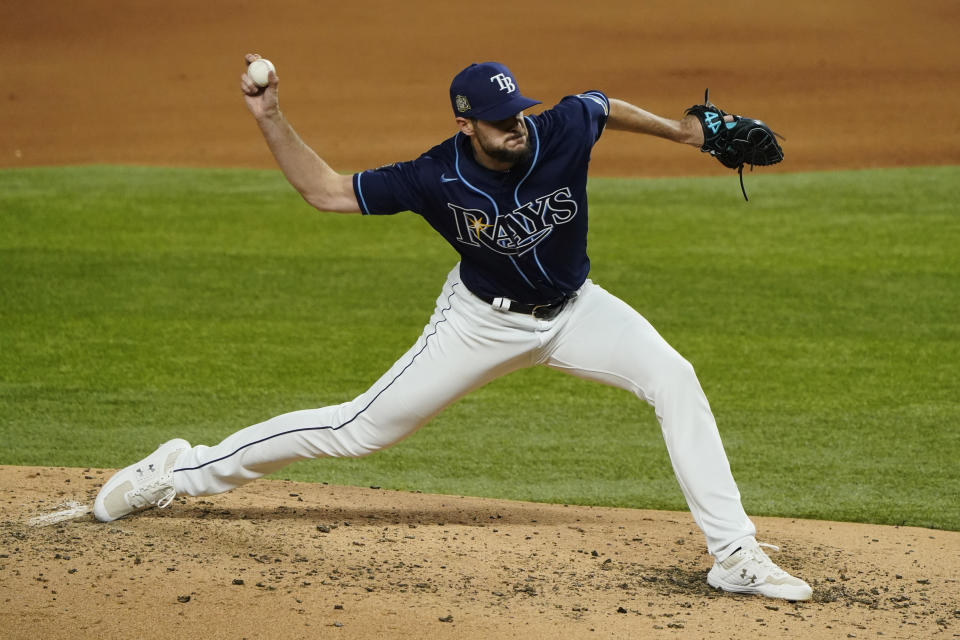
(743, 576)
(151, 467)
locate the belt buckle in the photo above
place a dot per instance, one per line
(553, 309)
(547, 311)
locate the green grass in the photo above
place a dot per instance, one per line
(822, 317)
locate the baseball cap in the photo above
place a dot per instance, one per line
(487, 91)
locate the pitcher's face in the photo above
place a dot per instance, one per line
(498, 144)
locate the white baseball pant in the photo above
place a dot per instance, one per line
(468, 343)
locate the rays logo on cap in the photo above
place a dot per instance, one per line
(506, 82)
(463, 105)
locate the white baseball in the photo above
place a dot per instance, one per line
(258, 71)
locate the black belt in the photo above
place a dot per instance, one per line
(542, 310)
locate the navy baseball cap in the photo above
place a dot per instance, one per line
(487, 91)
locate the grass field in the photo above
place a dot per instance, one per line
(823, 318)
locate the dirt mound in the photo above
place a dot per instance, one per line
(293, 560)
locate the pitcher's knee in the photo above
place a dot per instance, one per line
(683, 370)
(677, 375)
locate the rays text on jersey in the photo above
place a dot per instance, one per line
(519, 231)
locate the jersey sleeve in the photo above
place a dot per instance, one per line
(390, 189)
(597, 105)
(580, 117)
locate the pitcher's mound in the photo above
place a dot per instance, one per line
(282, 559)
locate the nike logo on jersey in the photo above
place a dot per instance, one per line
(519, 231)
(444, 178)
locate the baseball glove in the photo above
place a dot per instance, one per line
(738, 142)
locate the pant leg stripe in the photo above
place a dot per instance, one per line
(359, 413)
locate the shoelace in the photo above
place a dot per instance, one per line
(148, 494)
(165, 501)
(763, 560)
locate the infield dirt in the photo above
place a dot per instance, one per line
(278, 559)
(851, 84)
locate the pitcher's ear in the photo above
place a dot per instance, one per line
(466, 125)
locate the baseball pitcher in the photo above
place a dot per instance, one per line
(508, 192)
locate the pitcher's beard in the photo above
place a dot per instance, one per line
(511, 156)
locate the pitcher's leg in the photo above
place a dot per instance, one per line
(605, 340)
(443, 365)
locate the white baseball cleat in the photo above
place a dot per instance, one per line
(749, 570)
(144, 484)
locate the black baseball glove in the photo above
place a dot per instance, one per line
(738, 142)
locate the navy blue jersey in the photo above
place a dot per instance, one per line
(521, 234)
